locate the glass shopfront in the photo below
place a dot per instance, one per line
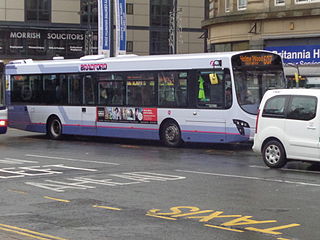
(18, 43)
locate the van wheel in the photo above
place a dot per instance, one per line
(274, 155)
(54, 128)
(171, 134)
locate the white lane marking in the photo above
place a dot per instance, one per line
(286, 169)
(15, 161)
(251, 178)
(71, 159)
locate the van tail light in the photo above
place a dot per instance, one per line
(257, 120)
(3, 123)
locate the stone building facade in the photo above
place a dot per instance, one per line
(41, 29)
(290, 27)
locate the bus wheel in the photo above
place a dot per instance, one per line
(274, 155)
(54, 128)
(171, 134)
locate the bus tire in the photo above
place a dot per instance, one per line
(274, 155)
(171, 134)
(54, 128)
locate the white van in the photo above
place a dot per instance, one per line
(288, 126)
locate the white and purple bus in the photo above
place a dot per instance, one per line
(207, 97)
(3, 108)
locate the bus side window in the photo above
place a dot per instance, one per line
(89, 90)
(50, 83)
(172, 89)
(140, 89)
(110, 89)
(74, 89)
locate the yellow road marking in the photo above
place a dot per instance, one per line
(17, 191)
(157, 216)
(283, 239)
(223, 228)
(56, 199)
(26, 232)
(106, 207)
(129, 146)
(272, 229)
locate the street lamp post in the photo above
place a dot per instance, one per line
(174, 27)
(89, 33)
(297, 75)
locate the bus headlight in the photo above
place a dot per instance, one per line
(3, 123)
(241, 125)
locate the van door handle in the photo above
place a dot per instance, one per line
(311, 128)
(84, 110)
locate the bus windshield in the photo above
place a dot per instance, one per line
(254, 73)
(252, 84)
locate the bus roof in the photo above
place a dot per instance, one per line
(93, 63)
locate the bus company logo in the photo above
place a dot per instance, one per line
(216, 63)
(93, 67)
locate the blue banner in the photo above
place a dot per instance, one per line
(104, 27)
(121, 26)
(301, 55)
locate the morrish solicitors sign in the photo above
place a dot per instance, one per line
(309, 54)
(42, 43)
(49, 36)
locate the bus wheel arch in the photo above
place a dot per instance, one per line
(54, 127)
(170, 133)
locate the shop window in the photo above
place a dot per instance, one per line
(240, 46)
(227, 47)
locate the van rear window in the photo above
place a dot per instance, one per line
(275, 107)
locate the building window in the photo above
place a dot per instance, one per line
(306, 1)
(159, 12)
(227, 47)
(159, 43)
(228, 6)
(129, 7)
(38, 10)
(129, 46)
(159, 24)
(242, 4)
(211, 9)
(89, 12)
(279, 2)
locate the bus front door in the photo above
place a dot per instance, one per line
(207, 126)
